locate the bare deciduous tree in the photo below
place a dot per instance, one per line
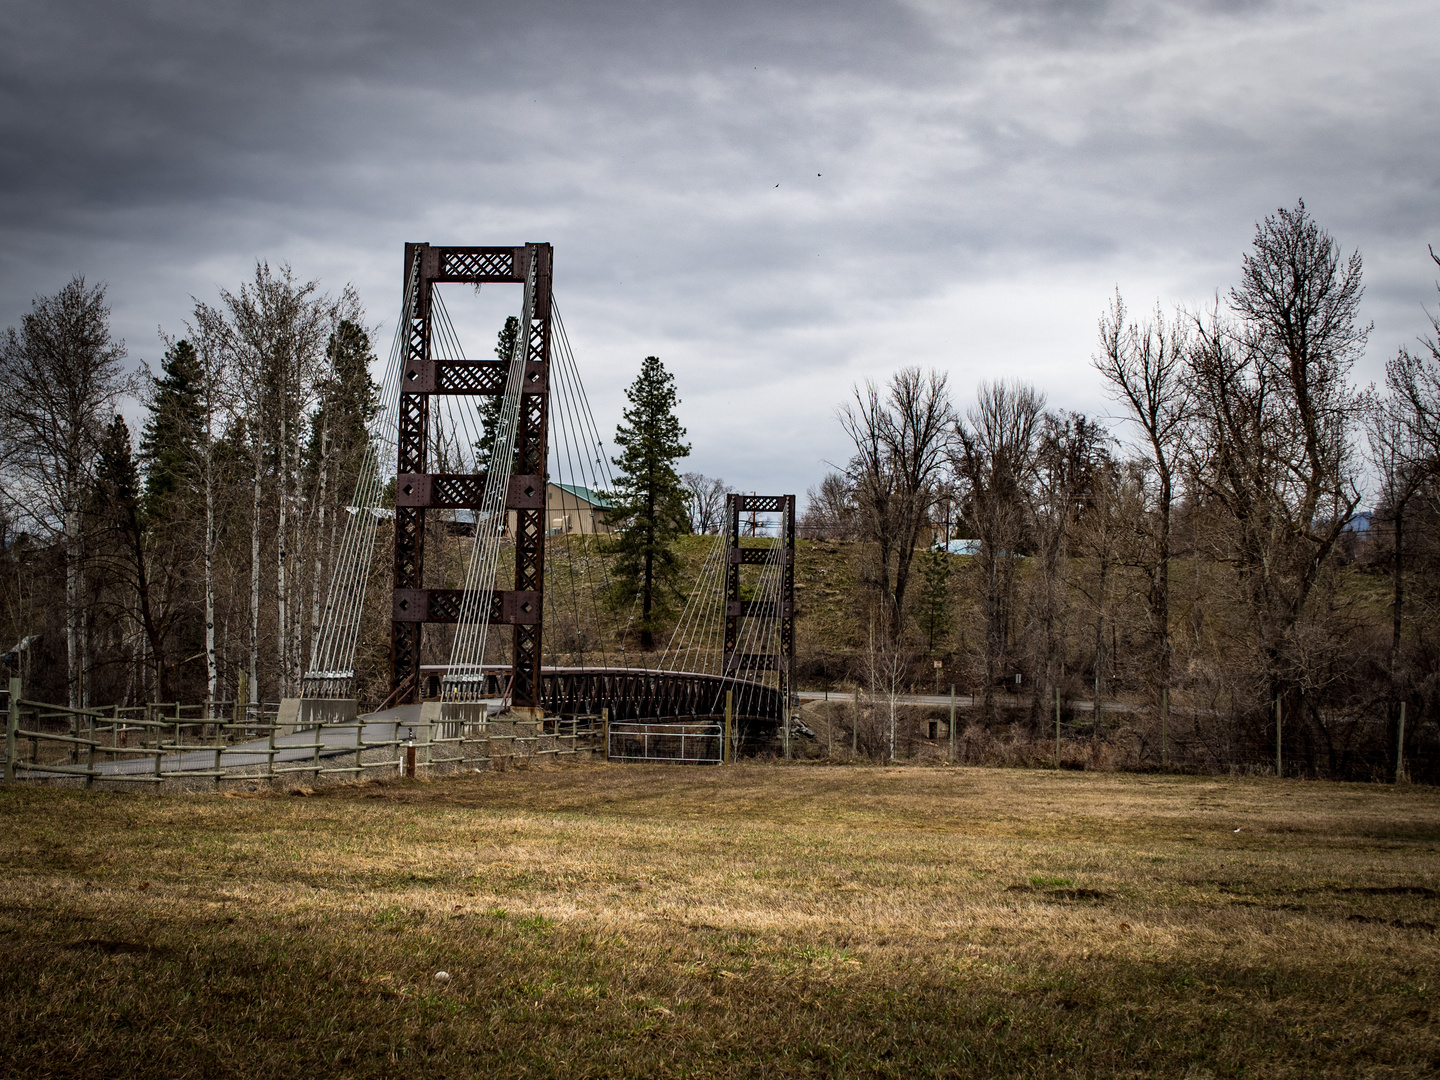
(829, 510)
(60, 377)
(274, 332)
(1146, 366)
(1405, 446)
(706, 496)
(900, 436)
(1072, 451)
(1272, 439)
(995, 460)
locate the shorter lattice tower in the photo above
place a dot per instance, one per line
(779, 607)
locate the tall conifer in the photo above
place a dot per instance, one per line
(490, 404)
(650, 508)
(176, 420)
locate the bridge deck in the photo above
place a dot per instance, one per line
(643, 694)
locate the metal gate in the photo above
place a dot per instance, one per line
(689, 743)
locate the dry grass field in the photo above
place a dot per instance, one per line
(751, 921)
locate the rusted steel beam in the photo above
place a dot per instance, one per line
(464, 491)
(761, 556)
(507, 606)
(761, 609)
(761, 504)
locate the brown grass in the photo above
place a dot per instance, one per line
(760, 920)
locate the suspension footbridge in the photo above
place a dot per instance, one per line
(543, 642)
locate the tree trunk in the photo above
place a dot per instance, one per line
(1160, 583)
(320, 529)
(282, 627)
(647, 639)
(212, 680)
(297, 605)
(135, 539)
(1398, 589)
(993, 636)
(1104, 569)
(1397, 605)
(74, 634)
(254, 688)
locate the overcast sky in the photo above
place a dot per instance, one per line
(778, 199)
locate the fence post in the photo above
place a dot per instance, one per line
(219, 744)
(12, 725)
(605, 729)
(952, 723)
(855, 726)
(1057, 726)
(727, 752)
(90, 752)
(1400, 746)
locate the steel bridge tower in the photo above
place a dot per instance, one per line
(782, 610)
(417, 490)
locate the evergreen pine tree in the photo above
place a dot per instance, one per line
(490, 404)
(650, 508)
(349, 400)
(125, 540)
(176, 419)
(935, 598)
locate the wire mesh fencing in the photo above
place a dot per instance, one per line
(690, 743)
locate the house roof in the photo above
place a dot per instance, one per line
(594, 498)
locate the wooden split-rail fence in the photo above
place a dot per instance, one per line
(220, 743)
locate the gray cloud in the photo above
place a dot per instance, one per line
(959, 185)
